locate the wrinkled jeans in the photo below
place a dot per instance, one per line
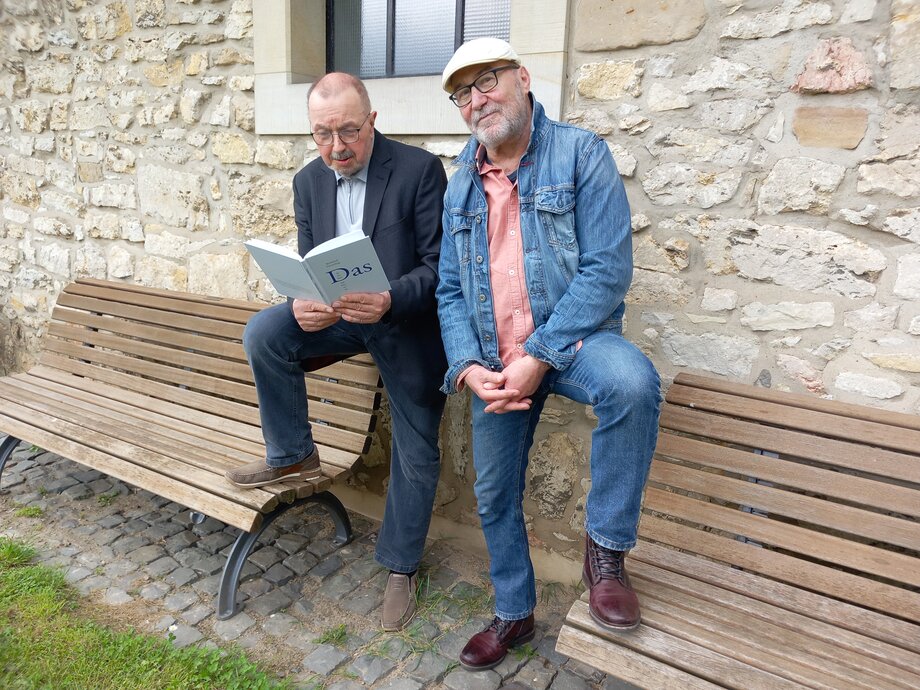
(275, 345)
(621, 384)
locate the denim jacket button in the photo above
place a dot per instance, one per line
(482, 298)
(479, 259)
(478, 219)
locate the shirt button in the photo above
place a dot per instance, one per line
(512, 233)
(520, 347)
(482, 298)
(517, 311)
(511, 272)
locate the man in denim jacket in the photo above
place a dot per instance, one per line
(535, 262)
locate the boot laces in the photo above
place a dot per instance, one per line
(500, 626)
(608, 564)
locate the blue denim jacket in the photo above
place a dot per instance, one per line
(576, 231)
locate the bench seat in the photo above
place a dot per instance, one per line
(779, 546)
(152, 387)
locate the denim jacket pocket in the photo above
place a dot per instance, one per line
(556, 210)
(460, 231)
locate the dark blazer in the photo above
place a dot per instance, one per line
(402, 216)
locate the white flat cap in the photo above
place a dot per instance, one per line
(479, 51)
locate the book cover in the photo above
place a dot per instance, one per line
(347, 263)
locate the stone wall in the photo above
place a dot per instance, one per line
(770, 148)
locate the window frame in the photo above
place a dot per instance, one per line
(290, 53)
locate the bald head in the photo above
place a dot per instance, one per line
(336, 83)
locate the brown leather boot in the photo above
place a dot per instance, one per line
(613, 603)
(486, 649)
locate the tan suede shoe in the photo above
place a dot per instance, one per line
(257, 473)
(398, 601)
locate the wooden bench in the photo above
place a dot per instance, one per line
(779, 547)
(152, 387)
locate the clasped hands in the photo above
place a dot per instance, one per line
(508, 390)
(355, 307)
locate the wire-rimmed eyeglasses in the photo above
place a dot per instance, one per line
(484, 83)
(349, 135)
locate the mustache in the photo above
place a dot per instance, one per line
(342, 155)
(483, 112)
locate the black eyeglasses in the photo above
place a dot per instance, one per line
(349, 135)
(484, 83)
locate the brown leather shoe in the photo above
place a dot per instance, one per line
(486, 649)
(613, 603)
(257, 473)
(398, 601)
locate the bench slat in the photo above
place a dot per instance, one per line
(800, 400)
(722, 635)
(45, 433)
(623, 662)
(779, 624)
(840, 519)
(842, 454)
(154, 317)
(814, 576)
(848, 554)
(903, 637)
(869, 492)
(682, 653)
(820, 424)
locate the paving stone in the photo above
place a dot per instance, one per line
(511, 664)
(75, 573)
(300, 563)
(184, 635)
(366, 568)
(181, 576)
(345, 685)
(582, 670)
(119, 568)
(86, 475)
(110, 521)
(91, 559)
(207, 585)
(324, 659)
(127, 544)
(100, 486)
(134, 526)
(189, 557)
(106, 536)
(154, 591)
(379, 581)
(180, 601)
(196, 614)
(115, 596)
(161, 531)
(291, 543)
(338, 586)
(429, 667)
(303, 608)
(78, 492)
(248, 640)
(209, 565)
(266, 557)
(209, 525)
(547, 649)
(280, 624)
(301, 640)
(146, 554)
(279, 575)
(163, 623)
(442, 578)
(232, 628)
(461, 679)
(566, 680)
(161, 566)
(322, 547)
(326, 567)
(180, 540)
(617, 684)
(453, 642)
(256, 588)
(398, 683)
(215, 541)
(82, 530)
(56, 486)
(371, 668)
(352, 552)
(362, 601)
(269, 603)
(535, 675)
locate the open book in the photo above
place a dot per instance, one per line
(347, 263)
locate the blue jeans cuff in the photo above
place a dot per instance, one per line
(613, 545)
(513, 616)
(394, 566)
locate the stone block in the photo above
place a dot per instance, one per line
(615, 24)
(841, 128)
(834, 66)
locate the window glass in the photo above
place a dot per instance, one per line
(424, 38)
(486, 18)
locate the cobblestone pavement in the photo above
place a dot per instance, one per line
(141, 555)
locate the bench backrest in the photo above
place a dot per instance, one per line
(818, 494)
(188, 349)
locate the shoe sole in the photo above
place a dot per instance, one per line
(302, 476)
(527, 637)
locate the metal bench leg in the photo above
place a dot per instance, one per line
(230, 579)
(6, 451)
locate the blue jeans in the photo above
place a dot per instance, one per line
(275, 345)
(623, 387)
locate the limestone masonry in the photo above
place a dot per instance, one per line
(770, 149)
